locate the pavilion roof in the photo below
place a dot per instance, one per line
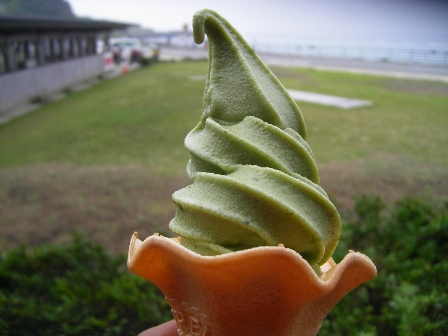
(26, 24)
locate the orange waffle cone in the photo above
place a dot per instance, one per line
(260, 291)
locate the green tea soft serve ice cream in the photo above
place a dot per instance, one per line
(255, 177)
(256, 230)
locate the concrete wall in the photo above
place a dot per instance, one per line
(23, 86)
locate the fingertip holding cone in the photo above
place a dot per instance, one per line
(260, 291)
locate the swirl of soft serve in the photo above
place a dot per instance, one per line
(255, 180)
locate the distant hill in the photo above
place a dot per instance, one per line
(50, 8)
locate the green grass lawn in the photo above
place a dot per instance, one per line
(408, 118)
(144, 116)
(141, 118)
(108, 158)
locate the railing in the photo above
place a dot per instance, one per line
(26, 85)
(392, 55)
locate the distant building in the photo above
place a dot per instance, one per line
(39, 56)
(181, 39)
(172, 39)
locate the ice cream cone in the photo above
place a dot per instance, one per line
(260, 291)
(255, 185)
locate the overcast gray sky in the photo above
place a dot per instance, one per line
(259, 20)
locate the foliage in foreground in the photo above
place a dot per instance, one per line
(80, 289)
(409, 246)
(77, 289)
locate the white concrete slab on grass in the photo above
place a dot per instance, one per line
(316, 98)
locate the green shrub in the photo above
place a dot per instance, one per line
(409, 244)
(77, 289)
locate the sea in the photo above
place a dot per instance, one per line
(394, 48)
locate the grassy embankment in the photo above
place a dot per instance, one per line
(105, 161)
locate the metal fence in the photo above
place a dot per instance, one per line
(392, 55)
